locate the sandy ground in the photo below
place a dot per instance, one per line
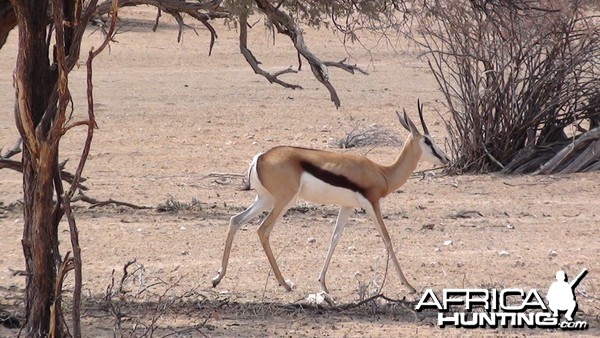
(170, 117)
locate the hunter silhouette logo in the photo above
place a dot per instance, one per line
(561, 294)
(511, 307)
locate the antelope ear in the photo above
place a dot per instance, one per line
(411, 126)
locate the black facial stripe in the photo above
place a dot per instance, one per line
(332, 178)
(435, 153)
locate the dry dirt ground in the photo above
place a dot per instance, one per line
(170, 117)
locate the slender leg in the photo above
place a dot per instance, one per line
(264, 232)
(375, 213)
(340, 224)
(261, 203)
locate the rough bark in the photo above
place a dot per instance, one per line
(34, 81)
(8, 20)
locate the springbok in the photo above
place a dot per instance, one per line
(282, 174)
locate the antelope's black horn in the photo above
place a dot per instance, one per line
(420, 107)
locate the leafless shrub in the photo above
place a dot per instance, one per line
(516, 76)
(173, 205)
(367, 136)
(137, 302)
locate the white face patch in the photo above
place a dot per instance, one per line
(431, 152)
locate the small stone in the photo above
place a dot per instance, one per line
(552, 253)
(290, 283)
(504, 253)
(436, 249)
(182, 228)
(448, 242)
(312, 240)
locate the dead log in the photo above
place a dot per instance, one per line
(530, 159)
(577, 156)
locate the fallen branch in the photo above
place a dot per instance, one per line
(464, 214)
(345, 306)
(227, 175)
(349, 306)
(579, 154)
(97, 203)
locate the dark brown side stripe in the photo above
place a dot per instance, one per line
(332, 178)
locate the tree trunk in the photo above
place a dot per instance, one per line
(34, 83)
(8, 20)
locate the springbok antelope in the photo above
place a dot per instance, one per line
(282, 174)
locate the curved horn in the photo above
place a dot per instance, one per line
(420, 106)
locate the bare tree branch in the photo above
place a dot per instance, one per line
(10, 164)
(286, 25)
(98, 203)
(347, 67)
(66, 176)
(255, 63)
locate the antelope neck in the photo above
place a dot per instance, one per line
(399, 172)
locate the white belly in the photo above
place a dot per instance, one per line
(316, 191)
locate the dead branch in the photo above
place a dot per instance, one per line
(223, 175)
(349, 306)
(343, 65)
(464, 214)
(201, 11)
(254, 63)
(66, 265)
(576, 156)
(10, 164)
(16, 149)
(286, 25)
(209, 10)
(17, 166)
(115, 309)
(95, 203)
